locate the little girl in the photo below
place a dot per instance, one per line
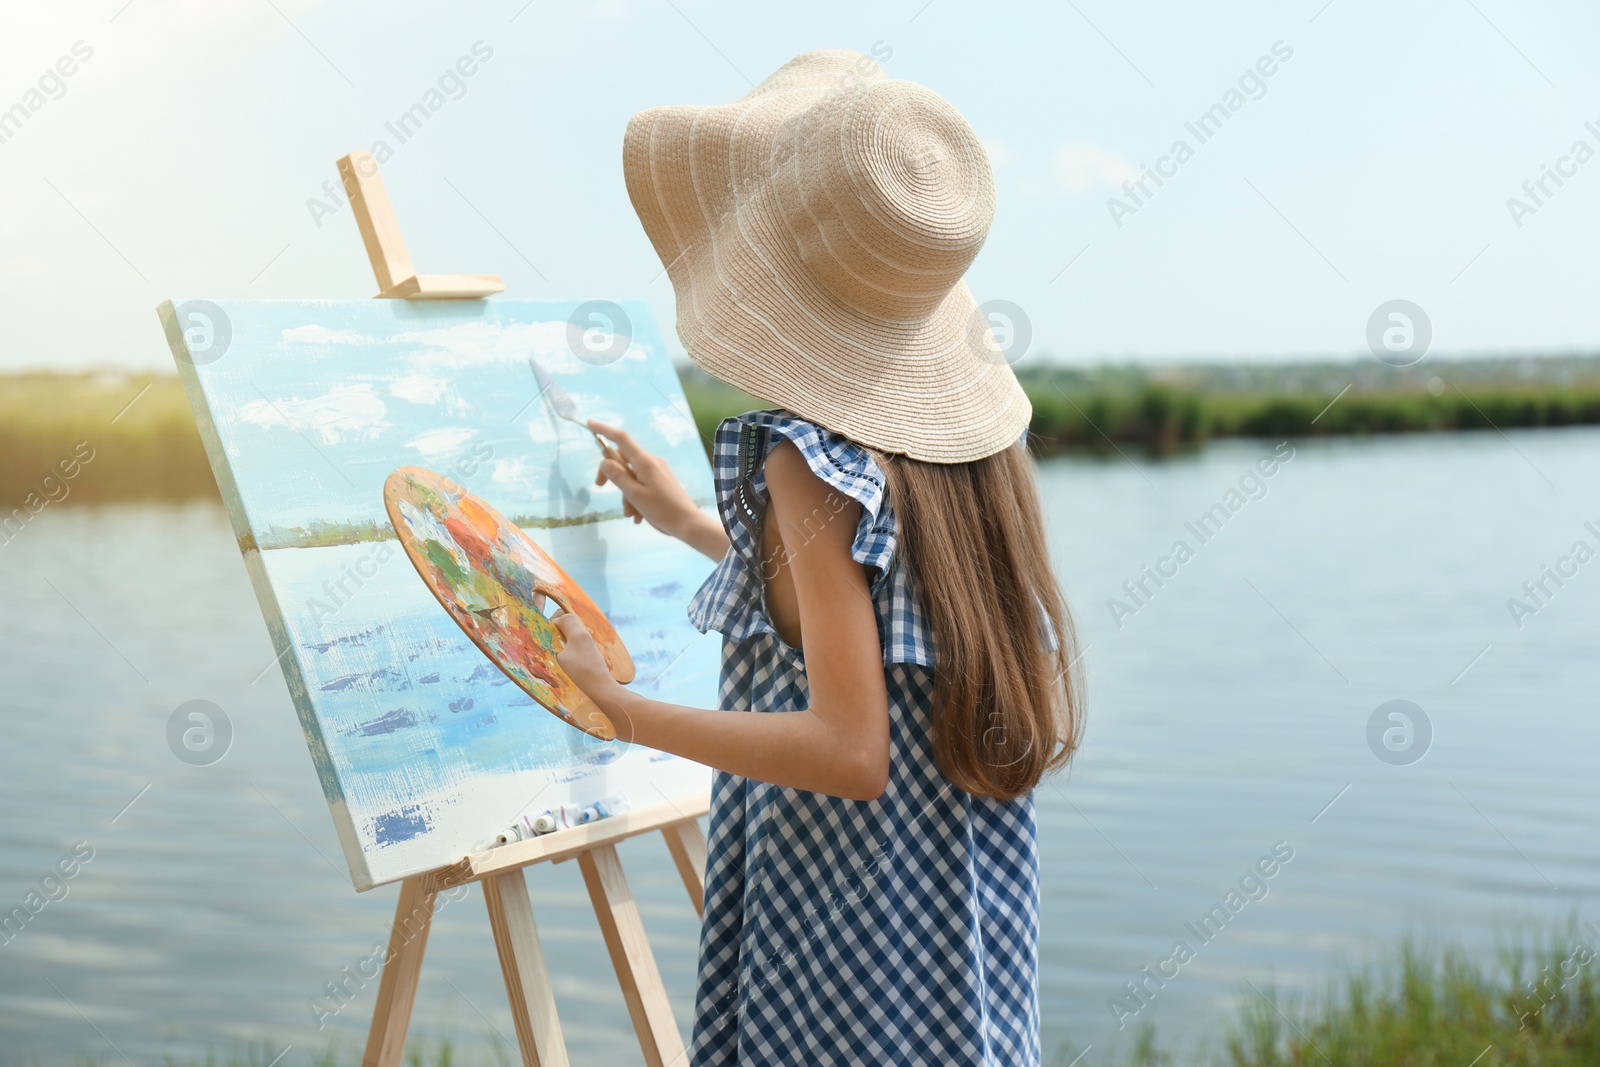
(897, 656)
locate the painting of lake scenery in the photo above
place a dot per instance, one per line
(424, 749)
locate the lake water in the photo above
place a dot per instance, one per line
(1228, 717)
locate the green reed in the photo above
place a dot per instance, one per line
(1536, 1004)
(144, 445)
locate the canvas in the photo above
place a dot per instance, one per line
(424, 749)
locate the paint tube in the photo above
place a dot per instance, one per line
(538, 822)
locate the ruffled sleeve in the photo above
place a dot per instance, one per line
(851, 470)
(730, 601)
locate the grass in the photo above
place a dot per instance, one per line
(1536, 1005)
(82, 437)
(139, 436)
(1075, 413)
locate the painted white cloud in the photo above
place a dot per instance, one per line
(673, 425)
(419, 388)
(511, 471)
(343, 411)
(541, 431)
(587, 404)
(1080, 167)
(474, 344)
(321, 335)
(441, 442)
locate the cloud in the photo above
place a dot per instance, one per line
(419, 388)
(586, 403)
(343, 411)
(673, 425)
(541, 428)
(476, 344)
(471, 344)
(511, 471)
(1080, 167)
(321, 335)
(441, 442)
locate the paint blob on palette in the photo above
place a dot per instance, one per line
(493, 580)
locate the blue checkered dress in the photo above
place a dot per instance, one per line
(902, 930)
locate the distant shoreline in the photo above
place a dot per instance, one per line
(328, 534)
(1165, 410)
(140, 432)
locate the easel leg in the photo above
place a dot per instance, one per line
(397, 989)
(630, 955)
(687, 843)
(533, 1007)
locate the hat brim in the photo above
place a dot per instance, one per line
(752, 314)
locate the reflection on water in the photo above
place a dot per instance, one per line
(1227, 724)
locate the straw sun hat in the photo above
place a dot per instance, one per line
(816, 232)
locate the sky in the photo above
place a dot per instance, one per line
(191, 152)
(316, 403)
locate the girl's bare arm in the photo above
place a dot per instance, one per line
(839, 744)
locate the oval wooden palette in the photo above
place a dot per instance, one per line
(492, 579)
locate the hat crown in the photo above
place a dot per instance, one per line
(886, 193)
(816, 231)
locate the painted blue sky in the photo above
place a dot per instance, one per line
(1376, 163)
(316, 402)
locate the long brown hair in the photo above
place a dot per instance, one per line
(1007, 708)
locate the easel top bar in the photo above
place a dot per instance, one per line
(386, 248)
(564, 844)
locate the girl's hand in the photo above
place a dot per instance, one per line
(651, 492)
(583, 661)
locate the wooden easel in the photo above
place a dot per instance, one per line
(505, 888)
(380, 232)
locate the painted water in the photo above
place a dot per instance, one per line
(426, 734)
(1228, 724)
